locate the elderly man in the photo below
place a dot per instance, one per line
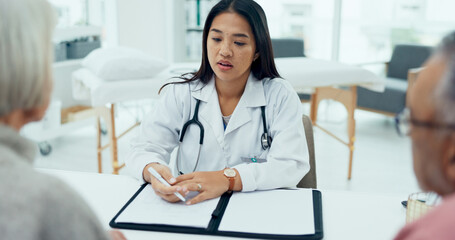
(430, 122)
(32, 205)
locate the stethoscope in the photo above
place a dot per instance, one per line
(266, 140)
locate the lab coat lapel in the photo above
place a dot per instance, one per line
(211, 112)
(253, 96)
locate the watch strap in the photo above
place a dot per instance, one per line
(231, 183)
(230, 174)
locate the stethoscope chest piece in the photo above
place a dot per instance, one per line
(266, 140)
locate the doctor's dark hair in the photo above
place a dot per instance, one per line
(263, 66)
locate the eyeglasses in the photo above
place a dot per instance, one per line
(403, 123)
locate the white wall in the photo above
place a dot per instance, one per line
(143, 24)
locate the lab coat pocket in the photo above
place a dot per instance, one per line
(256, 158)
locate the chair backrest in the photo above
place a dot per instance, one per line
(309, 180)
(288, 47)
(405, 57)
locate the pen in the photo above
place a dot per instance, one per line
(161, 179)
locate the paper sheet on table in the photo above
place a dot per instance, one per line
(291, 213)
(148, 208)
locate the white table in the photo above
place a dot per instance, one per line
(346, 215)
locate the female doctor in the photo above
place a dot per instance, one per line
(237, 125)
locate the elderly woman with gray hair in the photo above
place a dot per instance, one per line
(430, 123)
(32, 205)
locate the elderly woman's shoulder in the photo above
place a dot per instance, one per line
(37, 200)
(38, 188)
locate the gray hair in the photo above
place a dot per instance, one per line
(445, 91)
(26, 53)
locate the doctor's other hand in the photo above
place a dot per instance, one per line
(165, 192)
(209, 184)
(116, 235)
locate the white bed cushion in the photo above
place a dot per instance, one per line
(305, 74)
(121, 63)
(87, 86)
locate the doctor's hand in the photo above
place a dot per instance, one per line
(116, 235)
(208, 184)
(165, 192)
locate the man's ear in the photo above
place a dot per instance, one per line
(34, 114)
(449, 160)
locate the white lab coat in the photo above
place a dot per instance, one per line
(287, 160)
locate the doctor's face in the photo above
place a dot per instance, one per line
(231, 47)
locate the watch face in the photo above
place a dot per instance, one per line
(229, 172)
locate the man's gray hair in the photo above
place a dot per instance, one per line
(445, 91)
(26, 53)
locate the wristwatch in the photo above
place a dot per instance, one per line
(230, 174)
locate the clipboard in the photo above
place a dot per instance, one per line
(217, 216)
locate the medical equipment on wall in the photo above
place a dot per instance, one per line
(266, 140)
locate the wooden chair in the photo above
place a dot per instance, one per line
(309, 180)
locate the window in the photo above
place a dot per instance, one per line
(310, 20)
(79, 27)
(70, 12)
(368, 29)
